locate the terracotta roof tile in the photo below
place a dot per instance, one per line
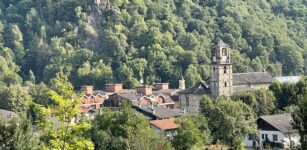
(165, 124)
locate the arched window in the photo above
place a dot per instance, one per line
(214, 52)
(224, 51)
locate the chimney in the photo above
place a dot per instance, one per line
(116, 87)
(181, 83)
(145, 90)
(87, 89)
(161, 86)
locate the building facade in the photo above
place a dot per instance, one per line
(222, 81)
(221, 71)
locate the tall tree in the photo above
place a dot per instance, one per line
(229, 121)
(192, 132)
(300, 117)
(68, 134)
(262, 101)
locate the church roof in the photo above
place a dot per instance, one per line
(288, 79)
(252, 78)
(200, 88)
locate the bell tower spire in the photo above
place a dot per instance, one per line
(221, 70)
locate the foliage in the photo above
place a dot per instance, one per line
(17, 133)
(124, 130)
(229, 121)
(300, 116)
(14, 98)
(262, 101)
(157, 40)
(68, 132)
(287, 93)
(192, 132)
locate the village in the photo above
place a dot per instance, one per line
(161, 106)
(153, 75)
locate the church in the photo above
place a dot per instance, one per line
(222, 81)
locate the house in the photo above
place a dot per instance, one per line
(144, 95)
(91, 101)
(222, 81)
(167, 127)
(277, 129)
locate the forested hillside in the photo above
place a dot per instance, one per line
(102, 41)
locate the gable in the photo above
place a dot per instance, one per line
(263, 125)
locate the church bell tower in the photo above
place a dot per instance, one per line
(221, 71)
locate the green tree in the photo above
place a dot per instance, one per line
(39, 94)
(14, 98)
(124, 130)
(192, 76)
(262, 101)
(229, 121)
(286, 94)
(17, 133)
(8, 67)
(300, 118)
(14, 40)
(68, 134)
(192, 132)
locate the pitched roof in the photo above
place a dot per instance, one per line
(165, 124)
(252, 78)
(97, 93)
(155, 111)
(200, 88)
(288, 79)
(168, 92)
(129, 96)
(282, 122)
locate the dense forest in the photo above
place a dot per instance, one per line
(102, 41)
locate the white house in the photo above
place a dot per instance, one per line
(277, 129)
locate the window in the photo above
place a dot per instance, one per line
(187, 101)
(225, 69)
(224, 51)
(225, 84)
(275, 137)
(214, 52)
(264, 136)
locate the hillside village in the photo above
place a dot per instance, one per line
(153, 75)
(162, 106)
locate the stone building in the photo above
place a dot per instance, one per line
(220, 71)
(222, 81)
